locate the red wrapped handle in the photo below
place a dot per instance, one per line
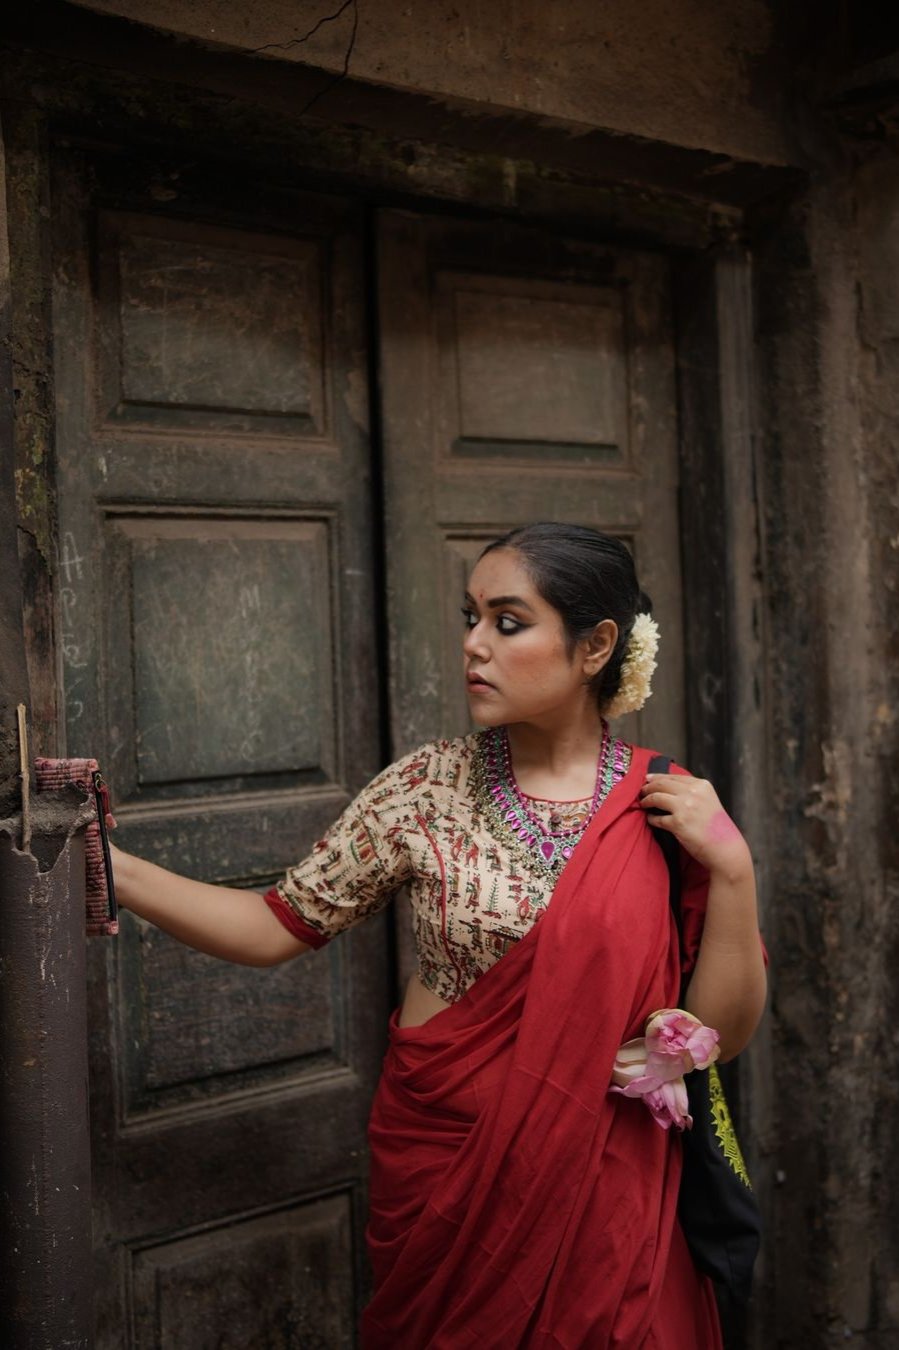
(101, 914)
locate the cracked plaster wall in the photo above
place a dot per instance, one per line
(690, 72)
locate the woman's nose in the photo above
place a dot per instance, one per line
(474, 642)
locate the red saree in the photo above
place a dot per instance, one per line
(514, 1202)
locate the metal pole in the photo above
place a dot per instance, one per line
(45, 1196)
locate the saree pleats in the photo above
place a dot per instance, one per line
(514, 1202)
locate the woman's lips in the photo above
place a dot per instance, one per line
(478, 685)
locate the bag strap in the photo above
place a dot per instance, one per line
(671, 850)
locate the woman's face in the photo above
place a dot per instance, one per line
(518, 667)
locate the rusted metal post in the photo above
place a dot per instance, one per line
(45, 1195)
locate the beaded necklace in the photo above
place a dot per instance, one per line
(507, 807)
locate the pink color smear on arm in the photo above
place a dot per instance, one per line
(721, 829)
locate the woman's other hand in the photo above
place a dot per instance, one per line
(694, 814)
(727, 986)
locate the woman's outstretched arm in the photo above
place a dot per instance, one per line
(728, 986)
(220, 920)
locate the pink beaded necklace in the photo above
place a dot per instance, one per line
(553, 848)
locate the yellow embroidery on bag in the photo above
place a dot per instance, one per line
(724, 1127)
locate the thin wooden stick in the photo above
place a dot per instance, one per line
(25, 772)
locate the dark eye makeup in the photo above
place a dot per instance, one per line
(504, 622)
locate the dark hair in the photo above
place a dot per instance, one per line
(587, 576)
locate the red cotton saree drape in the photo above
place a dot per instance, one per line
(514, 1202)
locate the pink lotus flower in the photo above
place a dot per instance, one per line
(673, 1034)
(669, 1105)
(653, 1066)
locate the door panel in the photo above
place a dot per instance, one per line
(289, 1284)
(524, 377)
(216, 603)
(211, 329)
(531, 372)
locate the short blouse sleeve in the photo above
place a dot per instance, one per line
(354, 870)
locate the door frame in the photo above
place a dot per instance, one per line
(723, 567)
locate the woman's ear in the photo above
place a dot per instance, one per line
(598, 647)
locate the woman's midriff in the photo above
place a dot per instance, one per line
(419, 1004)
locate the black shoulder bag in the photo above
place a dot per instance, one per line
(716, 1205)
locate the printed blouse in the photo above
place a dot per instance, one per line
(426, 823)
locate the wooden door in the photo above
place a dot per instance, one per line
(218, 639)
(524, 377)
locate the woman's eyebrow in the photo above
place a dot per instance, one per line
(499, 601)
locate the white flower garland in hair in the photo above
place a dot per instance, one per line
(636, 668)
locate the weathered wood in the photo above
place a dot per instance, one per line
(14, 685)
(45, 1181)
(217, 621)
(724, 623)
(703, 521)
(31, 442)
(288, 1286)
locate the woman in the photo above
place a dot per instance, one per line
(516, 1200)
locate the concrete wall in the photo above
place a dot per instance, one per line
(691, 72)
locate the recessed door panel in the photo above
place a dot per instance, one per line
(211, 329)
(277, 1280)
(532, 371)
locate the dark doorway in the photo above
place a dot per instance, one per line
(221, 650)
